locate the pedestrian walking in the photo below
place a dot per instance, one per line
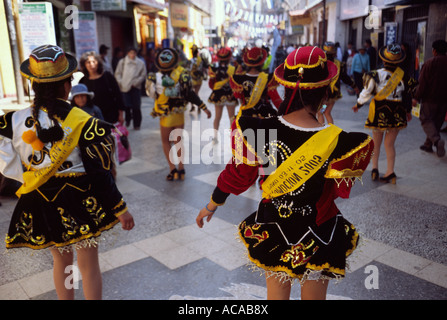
(360, 65)
(297, 233)
(199, 67)
(171, 88)
(130, 75)
(372, 53)
(432, 93)
(334, 93)
(388, 88)
(82, 98)
(219, 81)
(103, 84)
(62, 156)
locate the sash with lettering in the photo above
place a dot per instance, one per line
(390, 86)
(219, 84)
(302, 164)
(257, 91)
(59, 152)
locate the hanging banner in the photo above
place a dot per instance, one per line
(179, 15)
(85, 37)
(36, 25)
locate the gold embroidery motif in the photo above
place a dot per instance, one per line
(93, 131)
(297, 255)
(25, 226)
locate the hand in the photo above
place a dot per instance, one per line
(355, 108)
(208, 113)
(205, 213)
(126, 220)
(121, 117)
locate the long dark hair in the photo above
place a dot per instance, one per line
(46, 95)
(85, 57)
(306, 98)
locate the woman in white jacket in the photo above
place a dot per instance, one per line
(130, 74)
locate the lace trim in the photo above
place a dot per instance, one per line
(295, 127)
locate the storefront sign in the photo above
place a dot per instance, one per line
(179, 15)
(37, 25)
(351, 9)
(390, 32)
(85, 37)
(108, 5)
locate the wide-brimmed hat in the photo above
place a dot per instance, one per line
(48, 63)
(166, 59)
(329, 47)
(224, 54)
(81, 89)
(392, 53)
(254, 57)
(307, 67)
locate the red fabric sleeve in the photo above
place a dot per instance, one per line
(273, 93)
(236, 179)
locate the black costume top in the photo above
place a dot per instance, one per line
(302, 231)
(79, 200)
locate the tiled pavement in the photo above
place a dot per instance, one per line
(166, 256)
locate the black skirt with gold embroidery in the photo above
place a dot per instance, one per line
(79, 201)
(63, 212)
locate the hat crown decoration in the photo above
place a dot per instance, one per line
(166, 59)
(224, 54)
(392, 53)
(306, 67)
(48, 63)
(255, 57)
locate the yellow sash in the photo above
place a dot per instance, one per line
(72, 127)
(257, 91)
(302, 164)
(230, 71)
(161, 102)
(390, 86)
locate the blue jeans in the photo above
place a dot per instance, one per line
(132, 101)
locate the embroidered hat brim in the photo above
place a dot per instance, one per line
(48, 63)
(390, 57)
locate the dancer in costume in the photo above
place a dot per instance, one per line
(335, 92)
(63, 156)
(297, 231)
(171, 89)
(388, 112)
(219, 82)
(199, 68)
(256, 88)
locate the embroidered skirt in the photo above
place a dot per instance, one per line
(223, 95)
(387, 115)
(320, 253)
(61, 213)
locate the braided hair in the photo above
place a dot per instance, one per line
(45, 96)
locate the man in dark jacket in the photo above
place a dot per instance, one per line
(432, 93)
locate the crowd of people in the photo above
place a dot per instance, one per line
(297, 233)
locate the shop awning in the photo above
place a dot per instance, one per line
(151, 5)
(302, 16)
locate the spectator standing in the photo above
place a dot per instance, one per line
(118, 54)
(103, 53)
(372, 53)
(360, 65)
(130, 74)
(103, 84)
(432, 93)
